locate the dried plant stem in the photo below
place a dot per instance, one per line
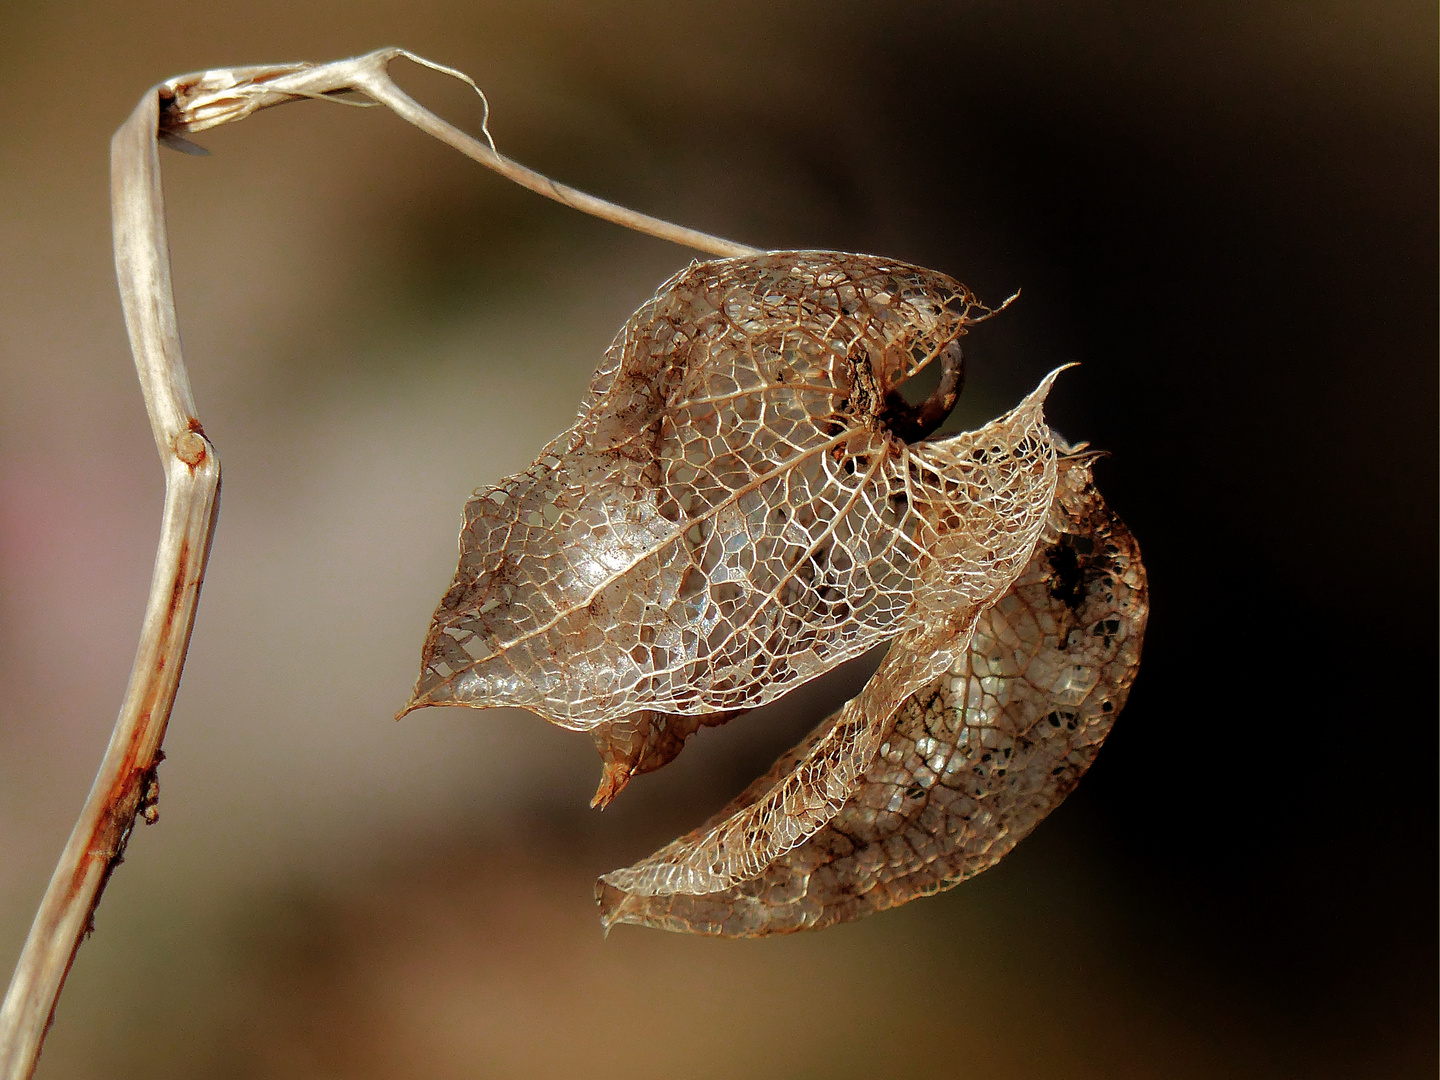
(125, 786)
(203, 100)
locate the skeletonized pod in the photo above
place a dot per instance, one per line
(975, 759)
(731, 515)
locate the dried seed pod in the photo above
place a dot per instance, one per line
(731, 515)
(976, 758)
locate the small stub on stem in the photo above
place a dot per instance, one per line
(190, 448)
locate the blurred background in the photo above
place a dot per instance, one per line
(1226, 211)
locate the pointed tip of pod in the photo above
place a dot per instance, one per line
(1043, 390)
(412, 705)
(612, 903)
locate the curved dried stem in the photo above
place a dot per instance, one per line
(913, 422)
(207, 99)
(125, 786)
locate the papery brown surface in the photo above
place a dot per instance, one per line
(642, 742)
(976, 758)
(730, 516)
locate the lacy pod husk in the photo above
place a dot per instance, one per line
(744, 502)
(974, 761)
(730, 514)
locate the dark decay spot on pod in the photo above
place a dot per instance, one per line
(1065, 561)
(863, 392)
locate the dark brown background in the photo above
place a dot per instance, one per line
(1226, 211)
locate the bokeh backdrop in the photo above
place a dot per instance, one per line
(1226, 211)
